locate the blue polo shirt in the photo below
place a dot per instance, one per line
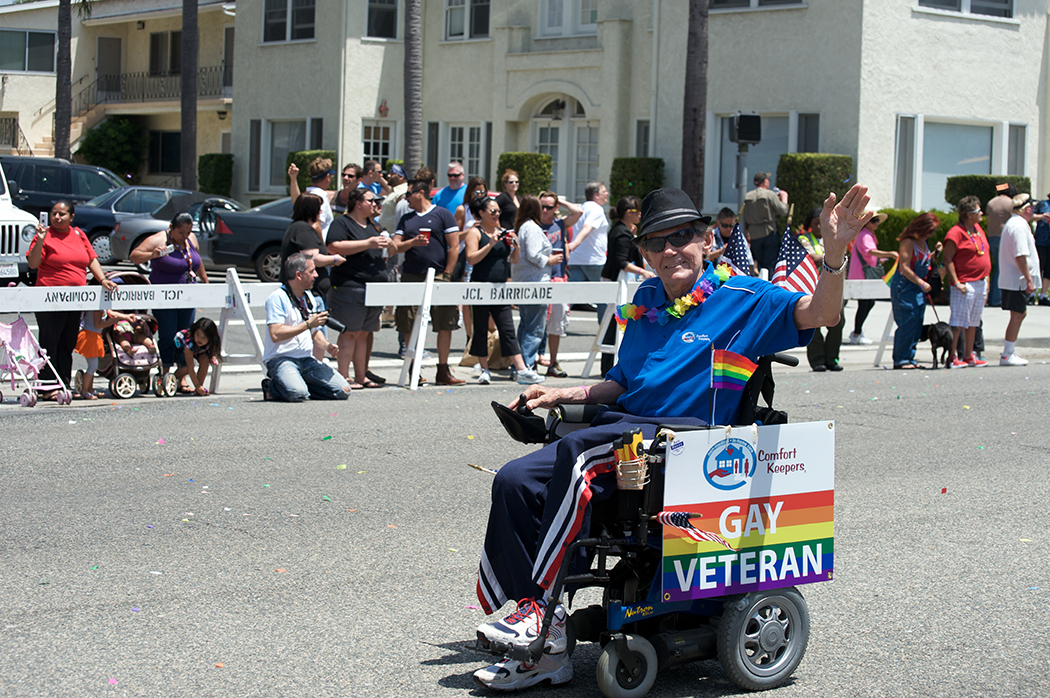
(1042, 228)
(666, 369)
(449, 199)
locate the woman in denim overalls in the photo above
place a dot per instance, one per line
(909, 288)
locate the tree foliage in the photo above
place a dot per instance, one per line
(118, 144)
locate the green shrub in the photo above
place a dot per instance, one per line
(118, 144)
(899, 218)
(215, 173)
(981, 186)
(637, 176)
(809, 177)
(534, 171)
(302, 160)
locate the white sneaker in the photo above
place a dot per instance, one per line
(529, 377)
(484, 378)
(512, 675)
(523, 626)
(1012, 360)
(855, 338)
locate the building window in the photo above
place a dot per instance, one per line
(382, 19)
(1015, 160)
(752, 4)
(641, 138)
(165, 152)
(568, 17)
(903, 179)
(457, 26)
(989, 8)
(464, 144)
(288, 20)
(254, 154)
(285, 137)
(165, 53)
(25, 51)
(762, 157)
(377, 140)
(586, 157)
(317, 134)
(547, 141)
(808, 140)
(948, 150)
(433, 144)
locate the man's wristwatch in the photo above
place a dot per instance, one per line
(835, 272)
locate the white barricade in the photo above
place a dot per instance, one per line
(234, 298)
(871, 289)
(427, 294)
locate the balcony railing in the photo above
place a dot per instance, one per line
(212, 82)
(11, 136)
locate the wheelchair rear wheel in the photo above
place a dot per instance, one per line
(614, 679)
(762, 637)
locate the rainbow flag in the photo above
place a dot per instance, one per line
(888, 277)
(729, 370)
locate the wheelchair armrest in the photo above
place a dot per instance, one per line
(578, 414)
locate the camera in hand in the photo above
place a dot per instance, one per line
(333, 324)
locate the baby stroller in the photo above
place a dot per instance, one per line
(22, 359)
(674, 593)
(141, 369)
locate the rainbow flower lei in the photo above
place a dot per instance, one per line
(710, 282)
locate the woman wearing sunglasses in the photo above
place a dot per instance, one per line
(672, 327)
(969, 265)
(508, 199)
(624, 255)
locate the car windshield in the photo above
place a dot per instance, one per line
(114, 181)
(97, 201)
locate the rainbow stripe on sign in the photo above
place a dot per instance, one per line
(777, 541)
(729, 370)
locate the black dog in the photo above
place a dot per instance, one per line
(940, 337)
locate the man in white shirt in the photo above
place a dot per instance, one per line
(292, 329)
(588, 247)
(1018, 270)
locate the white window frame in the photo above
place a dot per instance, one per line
(365, 36)
(392, 143)
(287, 27)
(467, 8)
(757, 5)
(1000, 150)
(25, 54)
(266, 152)
(572, 27)
(448, 154)
(557, 175)
(965, 11)
(648, 137)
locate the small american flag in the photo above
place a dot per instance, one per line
(680, 520)
(737, 253)
(795, 269)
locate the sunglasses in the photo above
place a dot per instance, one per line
(512, 181)
(726, 226)
(677, 239)
(351, 175)
(453, 174)
(548, 208)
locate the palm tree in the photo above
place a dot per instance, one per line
(64, 72)
(413, 86)
(190, 50)
(695, 103)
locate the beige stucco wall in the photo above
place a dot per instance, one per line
(26, 93)
(948, 68)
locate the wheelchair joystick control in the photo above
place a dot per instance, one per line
(523, 408)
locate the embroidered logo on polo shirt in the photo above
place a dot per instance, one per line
(688, 337)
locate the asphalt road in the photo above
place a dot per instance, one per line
(131, 567)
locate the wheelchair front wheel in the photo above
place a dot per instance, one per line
(615, 681)
(762, 637)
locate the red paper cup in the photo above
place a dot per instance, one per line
(425, 234)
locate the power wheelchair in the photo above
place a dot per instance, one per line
(759, 637)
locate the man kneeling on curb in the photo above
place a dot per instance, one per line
(292, 328)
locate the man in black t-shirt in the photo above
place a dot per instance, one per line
(429, 237)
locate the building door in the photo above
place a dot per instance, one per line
(108, 63)
(227, 62)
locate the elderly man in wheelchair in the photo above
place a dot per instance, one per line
(679, 325)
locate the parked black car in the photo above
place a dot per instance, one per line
(252, 238)
(100, 216)
(37, 183)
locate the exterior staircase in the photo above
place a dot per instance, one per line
(79, 125)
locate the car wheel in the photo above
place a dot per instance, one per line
(268, 265)
(100, 241)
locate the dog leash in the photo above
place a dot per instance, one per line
(929, 301)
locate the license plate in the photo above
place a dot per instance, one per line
(8, 271)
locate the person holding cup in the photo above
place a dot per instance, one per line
(429, 237)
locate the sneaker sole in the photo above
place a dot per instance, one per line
(559, 677)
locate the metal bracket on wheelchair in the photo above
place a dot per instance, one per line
(628, 658)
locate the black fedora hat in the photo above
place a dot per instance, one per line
(666, 208)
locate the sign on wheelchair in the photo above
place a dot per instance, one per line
(701, 551)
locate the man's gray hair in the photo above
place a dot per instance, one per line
(591, 190)
(295, 264)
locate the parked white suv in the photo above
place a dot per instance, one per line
(17, 229)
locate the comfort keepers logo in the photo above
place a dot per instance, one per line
(730, 464)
